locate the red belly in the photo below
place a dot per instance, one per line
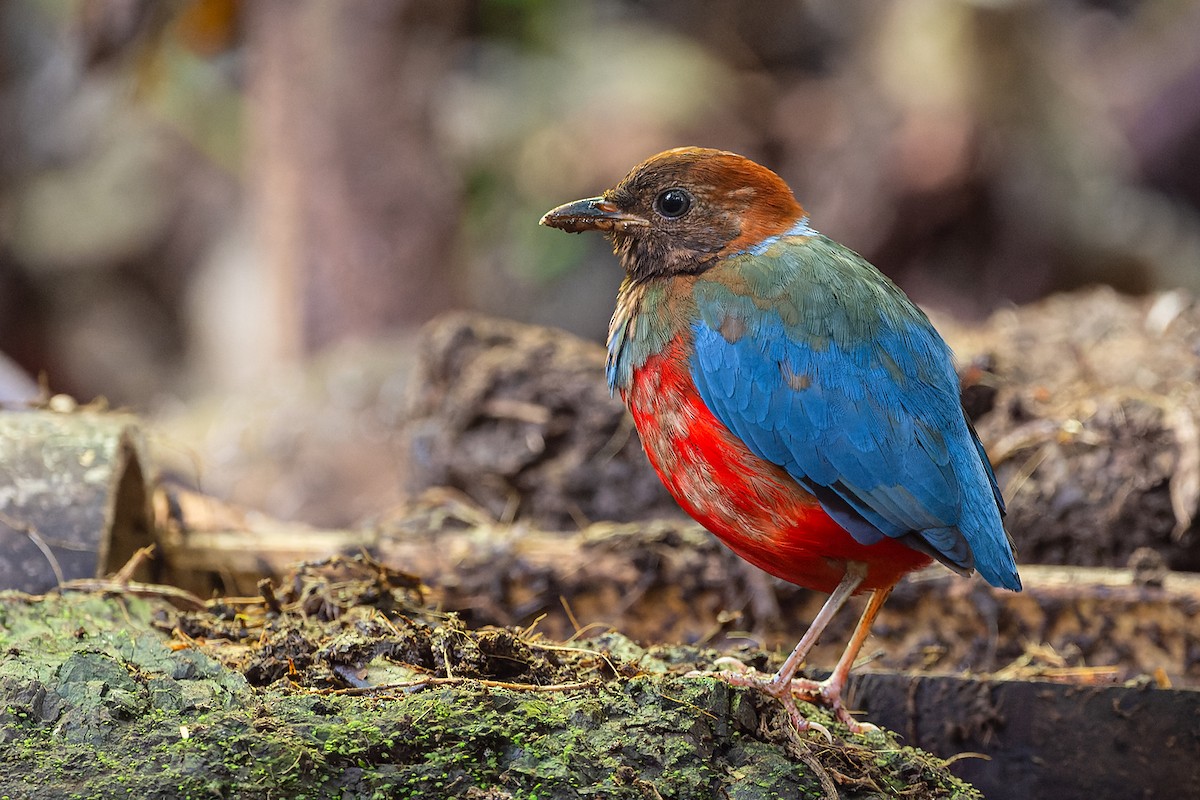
(753, 506)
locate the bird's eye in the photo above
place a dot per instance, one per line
(673, 203)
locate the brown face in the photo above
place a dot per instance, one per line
(682, 210)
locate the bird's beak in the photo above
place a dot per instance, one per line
(591, 214)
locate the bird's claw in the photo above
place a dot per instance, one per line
(821, 693)
(801, 722)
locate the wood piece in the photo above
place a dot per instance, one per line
(1039, 739)
(210, 546)
(668, 581)
(73, 496)
(673, 582)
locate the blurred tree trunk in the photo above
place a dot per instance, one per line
(354, 208)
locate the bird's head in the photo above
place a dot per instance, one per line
(681, 211)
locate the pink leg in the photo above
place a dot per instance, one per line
(831, 688)
(855, 574)
(783, 685)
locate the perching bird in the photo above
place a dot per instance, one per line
(793, 400)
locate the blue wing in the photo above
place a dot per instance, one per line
(832, 373)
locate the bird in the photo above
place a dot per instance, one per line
(793, 400)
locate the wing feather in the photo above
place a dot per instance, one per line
(835, 376)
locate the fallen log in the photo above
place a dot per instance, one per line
(1031, 738)
(347, 686)
(74, 495)
(669, 581)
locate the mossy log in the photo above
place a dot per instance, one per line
(343, 684)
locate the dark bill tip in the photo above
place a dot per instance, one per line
(590, 214)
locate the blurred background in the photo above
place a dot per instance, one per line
(196, 193)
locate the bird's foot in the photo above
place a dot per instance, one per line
(824, 693)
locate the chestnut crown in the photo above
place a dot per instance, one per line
(681, 211)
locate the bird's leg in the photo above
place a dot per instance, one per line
(784, 685)
(831, 688)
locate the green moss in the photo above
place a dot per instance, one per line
(115, 713)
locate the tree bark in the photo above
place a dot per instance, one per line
(355, 208)
(74, 497)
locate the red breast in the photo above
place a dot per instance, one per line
(753, 506)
